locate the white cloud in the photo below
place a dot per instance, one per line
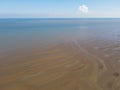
(83, 8)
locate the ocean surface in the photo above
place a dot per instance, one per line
(23, 33)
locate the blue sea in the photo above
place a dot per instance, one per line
(22, 33)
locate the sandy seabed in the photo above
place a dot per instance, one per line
(66, 66)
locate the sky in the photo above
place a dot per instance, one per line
(59, 8)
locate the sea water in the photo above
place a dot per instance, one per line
(23, 33)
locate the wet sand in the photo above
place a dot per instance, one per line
(66, 66)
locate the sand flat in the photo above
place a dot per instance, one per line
(63, 67)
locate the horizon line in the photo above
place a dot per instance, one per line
(59, 18)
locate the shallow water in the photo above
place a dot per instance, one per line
(23, 33)
(61, 54)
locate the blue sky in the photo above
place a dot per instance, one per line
(59, 8)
